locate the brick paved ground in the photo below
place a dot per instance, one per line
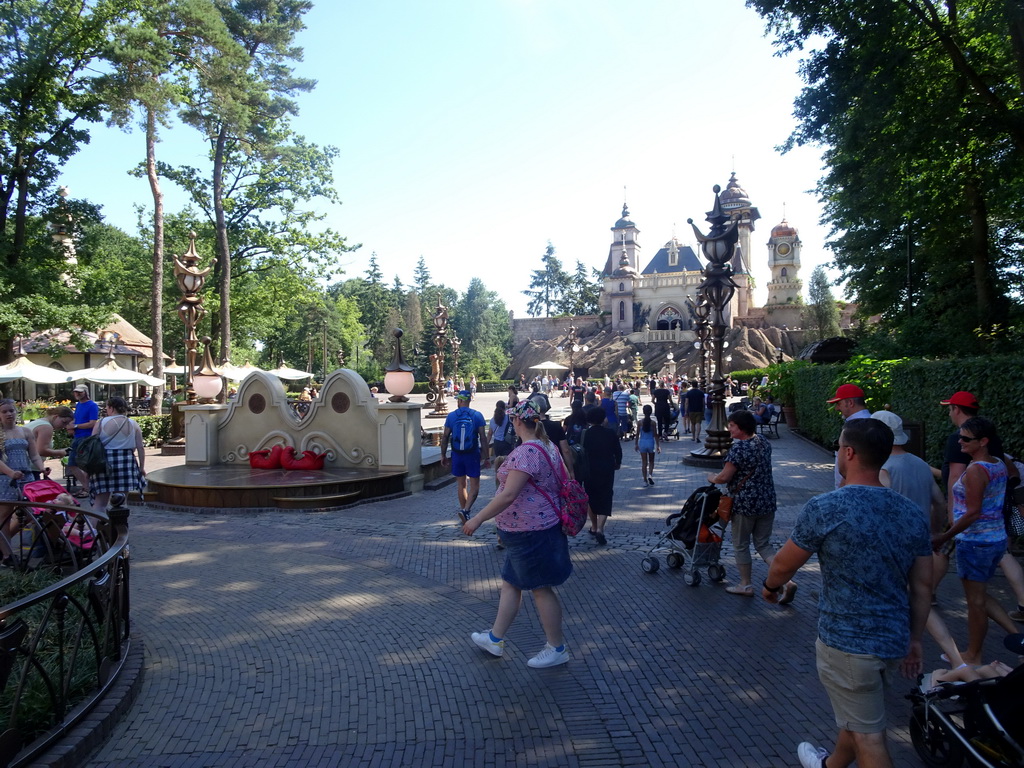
(299, 639)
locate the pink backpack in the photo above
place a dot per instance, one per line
(573, 501)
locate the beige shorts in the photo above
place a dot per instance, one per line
(856, 685)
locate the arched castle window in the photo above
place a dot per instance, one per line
(669, 319)
(784, 272)
(622, 310)
(622, 287)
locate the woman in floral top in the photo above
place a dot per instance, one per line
(748, 472)
(537, 551)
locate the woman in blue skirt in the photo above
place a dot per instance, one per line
(537, 551)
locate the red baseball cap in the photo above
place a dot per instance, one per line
(966, 399)
(845, 391)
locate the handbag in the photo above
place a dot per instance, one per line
(91, 453)
(573, 499)
(725, 503)
(724, 510)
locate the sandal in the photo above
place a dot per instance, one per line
(747, 590)
(81, 494)
(788, 593)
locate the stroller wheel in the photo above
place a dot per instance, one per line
(675, 560)
(716, 572)
(650, 564)
(692, 578)
(933, 744)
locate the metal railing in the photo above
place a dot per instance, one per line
(63, 645)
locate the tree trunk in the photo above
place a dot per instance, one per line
(223, 253)
(984, 292)
(156, 297)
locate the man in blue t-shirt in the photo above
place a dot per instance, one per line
(872, 545)
(87, 413)
(466, 430)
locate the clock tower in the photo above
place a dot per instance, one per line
(784, 260)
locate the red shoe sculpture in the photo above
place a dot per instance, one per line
(309, 460)
(267, 459)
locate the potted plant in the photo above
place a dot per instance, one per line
(782, 377)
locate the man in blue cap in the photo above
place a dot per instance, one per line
(466, 430)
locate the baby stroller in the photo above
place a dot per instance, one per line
(979, 720)
(672, 427)
(693, 540)
(627, 428)
(49, 535)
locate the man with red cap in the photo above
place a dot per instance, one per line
(849, 401)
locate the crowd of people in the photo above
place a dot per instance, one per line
(883, 537)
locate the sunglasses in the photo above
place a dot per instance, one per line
(964, 439)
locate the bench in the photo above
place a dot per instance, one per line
(770, 429)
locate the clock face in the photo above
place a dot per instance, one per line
(783, 249)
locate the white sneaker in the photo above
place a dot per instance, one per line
(549, 657)
(810, 755)
(483, 639)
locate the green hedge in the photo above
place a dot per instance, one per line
(913, 389)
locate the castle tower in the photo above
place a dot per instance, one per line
(734, 201)
(620, 272)
(784, 260)
(624, 241)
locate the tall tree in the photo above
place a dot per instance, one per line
(821, 314)
(919, 106)
(247, 122)
(51, 86)
(547, 285)
(159, 47)
(421, 276)
(270, 222)
(582, 293)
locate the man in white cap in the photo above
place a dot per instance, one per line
(87, 413)
(910, 475)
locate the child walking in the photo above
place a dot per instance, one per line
(647, 444)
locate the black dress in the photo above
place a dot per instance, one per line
(603, 453)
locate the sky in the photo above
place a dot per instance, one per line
(473, 132)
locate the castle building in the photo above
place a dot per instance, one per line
(660, 294)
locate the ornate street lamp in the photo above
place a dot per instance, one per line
(456, 343)
(718, 288)
(190, 280)
(398, 377)
(206, 381)
(435, 395)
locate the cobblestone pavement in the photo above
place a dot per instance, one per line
(303, 639)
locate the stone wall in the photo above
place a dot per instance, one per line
(551, 328)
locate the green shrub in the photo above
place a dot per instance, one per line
(155, 429)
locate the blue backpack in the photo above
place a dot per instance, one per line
(464, 432)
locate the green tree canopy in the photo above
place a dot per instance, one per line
(920, 109)
(547, 285)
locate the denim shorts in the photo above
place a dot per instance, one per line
(536, 559)
(977, 561)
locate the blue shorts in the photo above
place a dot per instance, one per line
(977, 561)
(73, 451)
(536, 559)
(466, 464)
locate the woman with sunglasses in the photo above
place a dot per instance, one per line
(977, 525)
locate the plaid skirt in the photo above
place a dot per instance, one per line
(122, 474)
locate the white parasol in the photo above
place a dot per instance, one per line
(289, 374)
(112, 373)
(549, 366)
(23, 368)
